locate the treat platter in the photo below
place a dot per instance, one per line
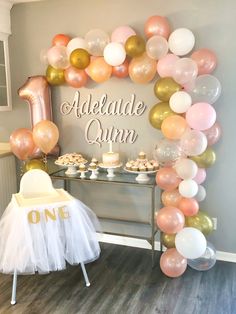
(110, 169)
(142, 176)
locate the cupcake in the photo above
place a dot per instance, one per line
(92, 166)
(128, 165)
(134, 167)
(142, 156)
(94, 160)
(150, 167)
(82, 167)
(142, 168)
(155, 165)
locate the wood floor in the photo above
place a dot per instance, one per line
(122, 281)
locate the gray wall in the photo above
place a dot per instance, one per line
(212, 21)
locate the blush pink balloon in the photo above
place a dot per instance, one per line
(75, 77)
(200, 176)
(185, 70)
(206, 60)
(170, 219)
(121, 71)
(165, 65)
(172, 263)
(22, 143)
(157, 25)
(121, 34)
(213, 134)
(201, 116)
(167, 179)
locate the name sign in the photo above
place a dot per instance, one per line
(94, 132)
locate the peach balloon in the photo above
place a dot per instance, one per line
(171, 198)
(75, 77)
(173, 127)
(142, 69)
(167, 179)
(122, 70)
(172, 263)
(206, 60)
(170, 219)
(60, 40)
(99, 70)
(45, 135)
(189, 206)
(157, 25)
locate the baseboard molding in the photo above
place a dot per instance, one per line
(141, 243)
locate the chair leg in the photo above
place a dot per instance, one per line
(85, 275)
(14, 284)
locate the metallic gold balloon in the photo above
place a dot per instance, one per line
(35, 164)
(206, 159)
(168, 240)
(165, 87)
(200, 221)
(80, 58)
(158, 113)
(134, 46)
(55, 76)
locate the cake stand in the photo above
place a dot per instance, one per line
(82, 173)
(71, 169)
(142, 176)
(110, 169)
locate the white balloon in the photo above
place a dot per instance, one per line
(75, 43)
(180, 102)
(201, 194)
(193, 142)
(190, 243)
(188, 188)
(181, 41)
(114, 54)
(186, 168)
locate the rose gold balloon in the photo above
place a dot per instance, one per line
(142, 69)
(157, 25)
(213, 134)
(172, 263)
(170, 219)
(171, 198)
(36, 92)
(45, 135)
(22, 143)
(121, 71)
(75, 77)
(99, 70)
(167, 179)
(206, 61)
(189, 206)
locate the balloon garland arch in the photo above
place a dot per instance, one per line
(185, 115)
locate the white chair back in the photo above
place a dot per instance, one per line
(36, 183)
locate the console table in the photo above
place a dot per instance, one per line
(120, 178)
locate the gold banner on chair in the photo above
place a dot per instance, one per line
(35, 216)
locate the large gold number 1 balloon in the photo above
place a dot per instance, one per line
(37, 93)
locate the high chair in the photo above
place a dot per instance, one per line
(36, 189)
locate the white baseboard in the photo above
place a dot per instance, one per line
(141, 243)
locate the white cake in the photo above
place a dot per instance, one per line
(110, 159)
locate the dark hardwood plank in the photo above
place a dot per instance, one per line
(122, 281)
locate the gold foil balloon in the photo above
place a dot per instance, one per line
(142, 69)
(80, 58)
(158, 113)
(165, 88)
(206, 159)
(135, 46)
(201, 221)
(35, 164)
(55, 76)
(168, 240)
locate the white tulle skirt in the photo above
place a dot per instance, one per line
(46, 244)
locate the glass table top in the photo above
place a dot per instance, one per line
(121, 176)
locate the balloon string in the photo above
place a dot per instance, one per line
(45, 161)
